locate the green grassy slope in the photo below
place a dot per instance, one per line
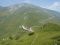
(41, 21)
(40, 37)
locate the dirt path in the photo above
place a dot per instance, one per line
(34, 39)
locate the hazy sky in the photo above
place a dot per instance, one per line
(50, 4)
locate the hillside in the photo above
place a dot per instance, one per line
(27, 24)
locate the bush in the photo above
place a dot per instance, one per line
(31, 33)
(11, 38)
